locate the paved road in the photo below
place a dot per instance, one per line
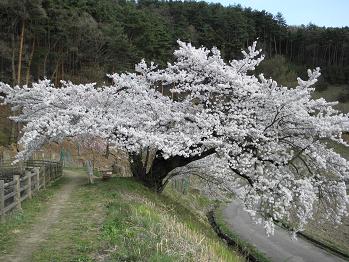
(280, 246)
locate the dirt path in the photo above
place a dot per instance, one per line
(27, 243)
(280, 246)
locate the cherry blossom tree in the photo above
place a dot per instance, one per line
(248, 135)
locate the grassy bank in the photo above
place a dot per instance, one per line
(333, 93)
(121, 220)
(334, 236)
(140, 224)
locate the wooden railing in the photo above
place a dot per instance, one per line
(29, 177)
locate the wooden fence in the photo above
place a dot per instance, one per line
(27, 178)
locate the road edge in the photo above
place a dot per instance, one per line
(321, 245)
(231, 242)
(244, 250)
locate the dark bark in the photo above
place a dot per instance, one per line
(20, 54)
(154, 178)
(14, 77)
(30, 63)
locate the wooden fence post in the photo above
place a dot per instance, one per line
(54, 171)
(44, 177)
(37, 179)
(29, 175)
(17, 188)
(50, 173)
(89, 171)
(60, 168)
(2, 200)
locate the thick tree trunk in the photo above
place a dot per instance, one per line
(139, 171)
(107, 151)
(155, 176)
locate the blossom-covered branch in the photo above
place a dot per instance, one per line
(265, 142)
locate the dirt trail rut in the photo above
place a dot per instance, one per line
(27, 243)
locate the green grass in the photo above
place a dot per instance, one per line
(246, 247)
(192, 200)
(330, 235)
(141, 224)
(332, 93)
(121, 220)
(4, 137)
(335, 237)
(76, 236)
(340, 149)
(323, 237)
(18, 222)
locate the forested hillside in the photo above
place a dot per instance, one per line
(82, 40)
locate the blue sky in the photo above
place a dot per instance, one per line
(330, 13)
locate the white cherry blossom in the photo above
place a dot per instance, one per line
(265, 142)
